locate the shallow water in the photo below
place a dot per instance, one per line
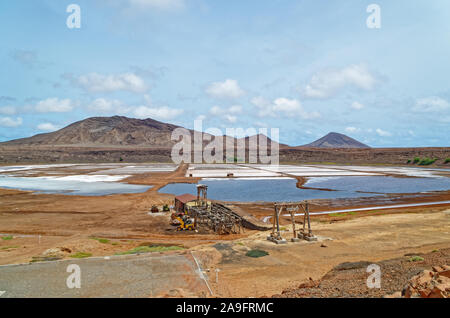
(69, 187)
(258, 190)
(277, 190)
(381, 184)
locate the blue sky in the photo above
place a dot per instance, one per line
(306, 67)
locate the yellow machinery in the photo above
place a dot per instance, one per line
(185, 223)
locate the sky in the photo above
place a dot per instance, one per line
(306, 67)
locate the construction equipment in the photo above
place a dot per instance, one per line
(185, 223)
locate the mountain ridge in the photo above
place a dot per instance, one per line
(335, 140)
(121, 131)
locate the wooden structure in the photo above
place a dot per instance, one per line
(181, 202)
(216, 217)
(292, 208)
(202, 195)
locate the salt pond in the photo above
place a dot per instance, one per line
(71, 185)
(284, 189)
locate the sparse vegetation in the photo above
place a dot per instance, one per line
(9, 247)
(416, 259)
(81, 255)
(427, 161)
(337, 215)
(150, 249)
(101, 240)
(7, 238)
(423, 161)
(256, 253)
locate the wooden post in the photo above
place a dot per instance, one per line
(293, 223)
(309, 221)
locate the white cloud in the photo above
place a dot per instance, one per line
(383, 133)
(282, 107)
(99, 83)
(357, 106)
(431, 104)
(328, 83)
(103, 105)
(7, 110)
(352, 130)
(230, 118)
(157, 112)
(54, 105)
(10, 122)
(47, 127)
(158, 4)
(228, 114)
(200, 117)
(229, 89)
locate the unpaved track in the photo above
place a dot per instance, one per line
(122, 276)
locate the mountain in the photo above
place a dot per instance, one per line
(104, 132)
(117, 131)
(336, 140)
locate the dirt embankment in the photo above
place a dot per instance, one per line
(15, 154)
(349, 279)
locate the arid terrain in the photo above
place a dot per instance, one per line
(36, 225)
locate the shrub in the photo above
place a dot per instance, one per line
(416, 259)
(7, 238)
(256, 253)
(416, 160)
(427, 162)
(447, 160)
(409, 161)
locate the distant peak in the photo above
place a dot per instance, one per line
(336, 140)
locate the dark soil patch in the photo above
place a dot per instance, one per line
(349, 280)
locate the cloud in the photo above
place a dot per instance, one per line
(431, 104)
(282, 107)
(102, 105)
(357, 106)
(54, 105)
(10, 122)
(7, 110)
(328, 83)
(352, 130)
(228, 114)
(26, 58)
(100, 83)
(157, 112)
(48, 127)
(383, 133)
(157, 4)
(229, 89)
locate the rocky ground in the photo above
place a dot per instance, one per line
(409, 276)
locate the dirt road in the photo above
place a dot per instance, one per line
(120, 276)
